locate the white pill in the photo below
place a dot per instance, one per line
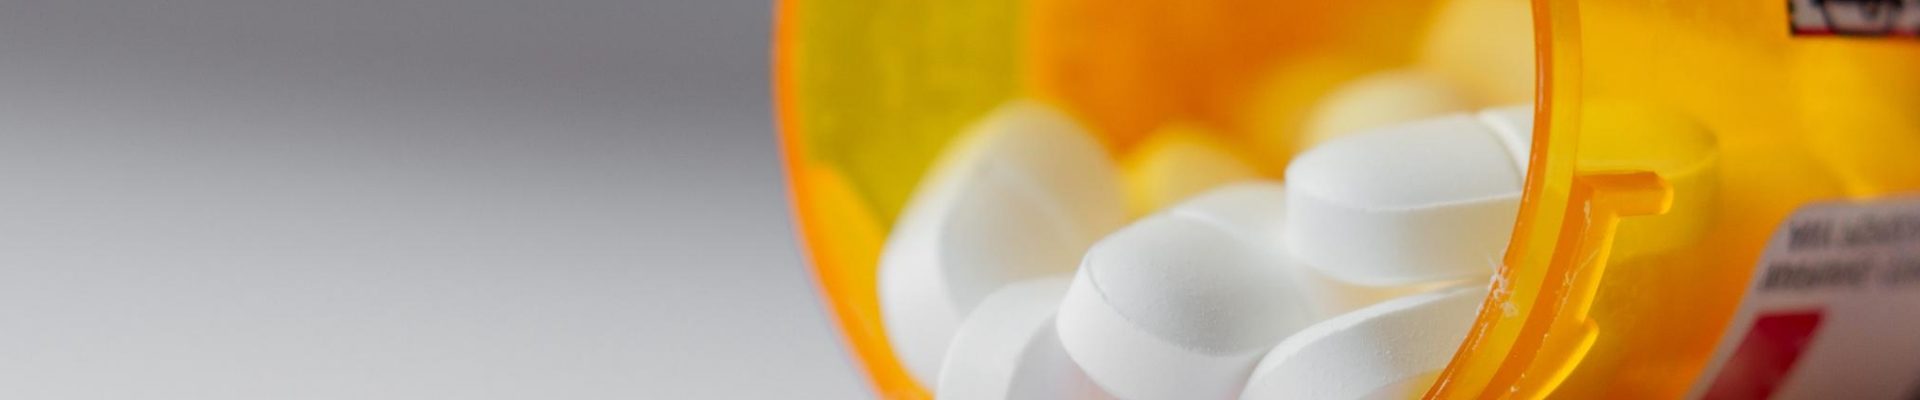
(1514, 126)
(1255, 212)
(1019, 196)
(1007, 349)
(1385, 351)
(1381, 99)
(1175, 308)
(1252, 211)
(1417, 202)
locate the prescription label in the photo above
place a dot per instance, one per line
(1899, 18)
(1832, 312)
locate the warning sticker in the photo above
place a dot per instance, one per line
(1833, 311)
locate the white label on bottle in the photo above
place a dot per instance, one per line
(1833, 311)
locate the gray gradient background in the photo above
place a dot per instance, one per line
(397, 199)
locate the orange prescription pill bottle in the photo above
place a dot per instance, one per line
(1719, 201)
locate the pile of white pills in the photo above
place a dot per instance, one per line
(1030, 264)
(1015, 274)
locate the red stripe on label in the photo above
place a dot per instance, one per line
(1765, 356)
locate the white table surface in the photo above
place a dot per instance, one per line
(398, 199)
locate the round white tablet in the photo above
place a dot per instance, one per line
(1417, 202)
(1007, 349)
(1387, 350)
(1021, 195)
(1256, 213)
(1175, 308)
(1514, 126)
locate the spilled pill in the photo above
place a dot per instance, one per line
(1422, 201)
(1255, 212)
(1389, 350)
(1175, 308)
(1021, 195)
(1514, 126)
(1007, 349)
(1252, 211)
